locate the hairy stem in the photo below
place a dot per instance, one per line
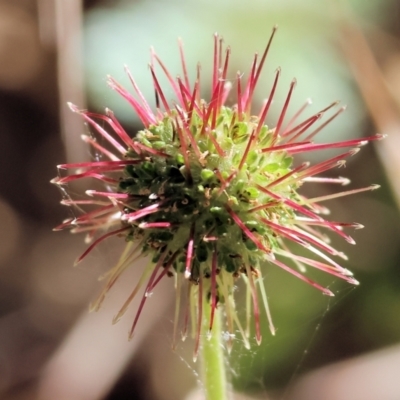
(212, 356)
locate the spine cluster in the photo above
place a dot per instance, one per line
(211, 193)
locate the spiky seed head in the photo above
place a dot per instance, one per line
(210, 192)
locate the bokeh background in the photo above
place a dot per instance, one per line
(54, 51)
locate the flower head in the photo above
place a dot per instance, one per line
(210, 192)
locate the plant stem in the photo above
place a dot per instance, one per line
(212, 356)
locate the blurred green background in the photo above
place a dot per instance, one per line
(51, 53)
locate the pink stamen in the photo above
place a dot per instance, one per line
(65, 224)
(183, 62)
(193, 103)
(95, 213)
(189, 134)
(198, 80)
(184, 146)
(146, 294)
(263, 58)
(169, 77)
(118, 129)
(185, 96)
(159, 91)
(283, 113)
(213, 106)
(116, 126)
(144, 116)
(206, 116)
(103, 222)
(302, 277)
(215, 64)
(312, 118)
(289, 202)
(341, 194)
(286, 232)
(100, 239)
(282, 147)
(97, 146)
(340, 180)
(307, 124)
(354, 225)
(103, 165)
(334, 104)
(210, 238)
(302, 127)
(227, 87)
(221, 42)
(214, 141)
(295, 117)
(71, 202)
(272, 203)
(299, 236)
(110, 195)
(327, 164)
(335, 227)
(322, 126)
(289, 174)
(150, 150)
(239, 96)
(247, 231)
(256, 74)
(323, 267)
(189, 254)
(87, 174)
(222, 95)
(165, 271)
(247, 98)
(157, 281)
(147, 225)
(265, 108)
(317, 233)
(319, 243)
(233, 120)
(140, 94)
(305, 147)
(133, 216)
(184, 91)
(225, 183)
(246, 151)
(99, 129)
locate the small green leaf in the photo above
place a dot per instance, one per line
(207, 174)
(158, 145)
(252, 192)
(287, 162)
(271, 167)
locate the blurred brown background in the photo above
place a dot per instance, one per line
(53, 51)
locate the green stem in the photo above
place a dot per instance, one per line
(212, 356)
